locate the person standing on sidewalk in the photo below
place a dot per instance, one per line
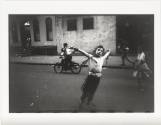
(124, 49)
(91, 82)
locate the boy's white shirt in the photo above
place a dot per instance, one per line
(95, 64)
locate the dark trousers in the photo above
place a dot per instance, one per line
(67, 61)
(89, 87)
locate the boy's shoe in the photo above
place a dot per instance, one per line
(92, 107)
(91, 104)
(83, 103)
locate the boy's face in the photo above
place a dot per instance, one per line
(99, 51)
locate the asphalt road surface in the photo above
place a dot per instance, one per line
(37, 88)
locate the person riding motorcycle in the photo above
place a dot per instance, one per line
(66, 55)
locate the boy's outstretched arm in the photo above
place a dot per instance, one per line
(83, 52)
(106, 54)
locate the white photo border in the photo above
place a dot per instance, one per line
(79, 7)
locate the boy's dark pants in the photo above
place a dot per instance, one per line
(89, 87)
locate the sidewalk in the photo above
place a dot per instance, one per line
(112, 62)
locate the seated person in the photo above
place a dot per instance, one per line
(66, 52)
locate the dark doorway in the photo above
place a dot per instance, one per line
(25, 35)
(136, 30)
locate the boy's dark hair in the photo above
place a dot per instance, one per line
(99, 46)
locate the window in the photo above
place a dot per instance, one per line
(36, 30)
(49, 30)
(88, 23)
(71, 24)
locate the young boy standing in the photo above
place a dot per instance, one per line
(95, 64)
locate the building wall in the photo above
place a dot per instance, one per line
(42, 26)
(14, 21)
(103, 33)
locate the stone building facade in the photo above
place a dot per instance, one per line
(51, 31)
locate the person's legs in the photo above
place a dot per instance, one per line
(140, 81)
(84, 90)
(95, 82)
(65, 63)
(88, 90)
(68, 60)
(84, 97)
(123, 59)
(147, 71)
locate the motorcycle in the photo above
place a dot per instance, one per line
(74, 67)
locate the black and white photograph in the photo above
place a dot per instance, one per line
(81, 63)
(78, 62)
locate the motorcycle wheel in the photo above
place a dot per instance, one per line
(76, 68)
(58, 68)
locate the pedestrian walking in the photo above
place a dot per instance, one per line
(124, 49)
(141, 68)
(91, 82)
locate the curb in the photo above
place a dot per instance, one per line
(110, 66)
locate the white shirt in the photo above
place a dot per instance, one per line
(141, 57)
(95, 63)
(69, 51)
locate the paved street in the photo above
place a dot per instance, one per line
(37, 88)
(112, 61)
